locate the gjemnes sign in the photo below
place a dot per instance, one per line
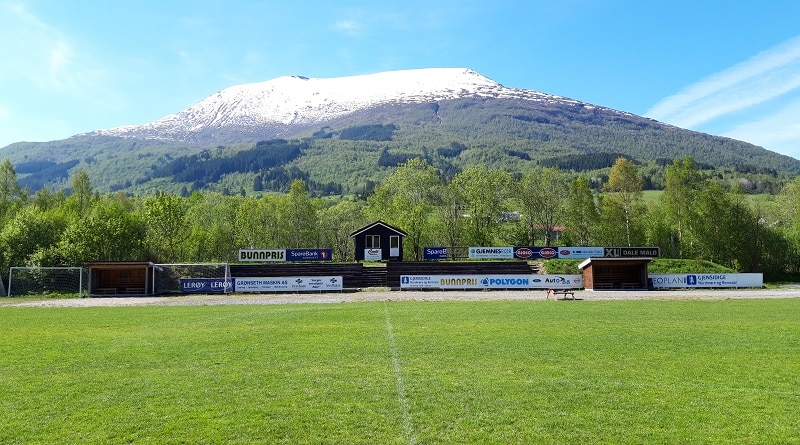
(491, 253)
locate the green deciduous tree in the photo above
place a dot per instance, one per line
(542, 199)
(336, 223)
(581, 214)
(212, 227)
(110, 232)
(257, 223)
(82, 193)
(407, 198)
(167, 226)
(684, 183)
(11, 195)
(29, 232)
(450, 222)
(626, 186)
(298, 218)
(486, 195)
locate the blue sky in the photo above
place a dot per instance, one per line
(721, 67)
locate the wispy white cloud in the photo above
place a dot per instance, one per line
(43, 56)
(357, 22)
(779, 130)
(766, 76)
(757, 101)
(349, 27)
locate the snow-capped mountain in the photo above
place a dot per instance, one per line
(291, 103)
(347, 131)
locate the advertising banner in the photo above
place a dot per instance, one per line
(581, 252)
(491, 253)
(309, 254)
(524, 253)
(206, 285)
(434, 253)
(288, 284)
(373, 254)
(453, 282)
(721, 280)
(262, 255)
(631, 252)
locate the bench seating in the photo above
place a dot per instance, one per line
(564, 292)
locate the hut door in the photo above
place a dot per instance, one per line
(394, 246)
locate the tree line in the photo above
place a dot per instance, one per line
(695, 217)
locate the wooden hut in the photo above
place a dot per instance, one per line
(120, 278)
(615, 273)
(379, 242)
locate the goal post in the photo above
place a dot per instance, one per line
(23, 280)
(167, 277)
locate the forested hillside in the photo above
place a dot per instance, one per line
(348, 155)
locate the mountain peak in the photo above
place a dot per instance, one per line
(266, 109)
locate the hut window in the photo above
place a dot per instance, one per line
(373, 241)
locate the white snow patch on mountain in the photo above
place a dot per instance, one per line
(292, 100)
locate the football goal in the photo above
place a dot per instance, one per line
(47, 281)
(167, 277)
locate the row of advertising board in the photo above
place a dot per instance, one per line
(442, 253)
(526, 253)
(544, 281)
(261, 284)
(455, 282)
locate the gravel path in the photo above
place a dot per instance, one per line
(385, 295)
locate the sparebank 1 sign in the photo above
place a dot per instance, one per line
(309, 254)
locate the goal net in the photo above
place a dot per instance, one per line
(168, 277)
(47, 281)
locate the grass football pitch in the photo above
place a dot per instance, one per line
(628, 372)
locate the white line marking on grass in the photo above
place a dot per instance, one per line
(408, 421)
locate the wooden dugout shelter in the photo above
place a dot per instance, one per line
(615, 273)
(121, 278)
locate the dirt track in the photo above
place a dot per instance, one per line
(385, 295)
